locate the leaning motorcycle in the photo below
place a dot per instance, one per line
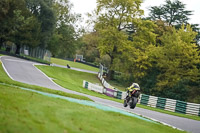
(132, 98)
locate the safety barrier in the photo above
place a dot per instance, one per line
(101, 89)
(170, 104)
(110, 92)
(144, 99)
(153, 101)
(161, 103)
(93, 87)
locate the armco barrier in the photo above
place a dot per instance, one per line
(161, 103)
(85, 84)
(170, 105)
(144, 99)
(109, 92)
(123, 95)
(180, 107)
(193, 109)
(199, 111)
(152, 101)
(156, 102)
(119, 95)
(93, 87)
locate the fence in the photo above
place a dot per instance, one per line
(152, 101)
(36, 53)
(170, 104)
(93, 87)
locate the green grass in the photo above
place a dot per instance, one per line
(117, 85)
(23, 111)
(73, 80)
(73, 64)
(5, 79)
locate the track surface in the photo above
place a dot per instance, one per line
(25, 71)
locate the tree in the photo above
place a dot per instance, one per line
(4, 9)
(65, 37)
(174, 13)
(89, 46)
(26, 31)
(135, 61)
(113, 18)
(43, 11)
(18, 25)
(177, 60)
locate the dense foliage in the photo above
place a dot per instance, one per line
(160, 54)
(45, 23)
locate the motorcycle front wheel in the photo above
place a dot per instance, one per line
(125, 103)
(133, 102)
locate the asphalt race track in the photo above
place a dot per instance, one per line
(25, 71)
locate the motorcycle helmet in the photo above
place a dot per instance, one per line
(136, 85)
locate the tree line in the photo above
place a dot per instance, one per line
(48, 24)
(160, 52)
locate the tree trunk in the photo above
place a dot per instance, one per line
(111, 72)
(17, 52)
(1, 43)
(110, 75)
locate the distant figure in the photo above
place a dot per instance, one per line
(68, 66)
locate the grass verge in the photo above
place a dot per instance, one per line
(5, 79)
(73, 64)
(23, 111)
(73, 80)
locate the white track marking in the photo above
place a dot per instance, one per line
(5, 69)
(18, 61)
(46, 75)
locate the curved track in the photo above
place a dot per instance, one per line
(25, 71)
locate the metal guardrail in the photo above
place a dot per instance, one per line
(170, 104)
(152, 101)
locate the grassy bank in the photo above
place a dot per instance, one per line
(73, 80)
(73, 64)
(5, 79)
(23, 111)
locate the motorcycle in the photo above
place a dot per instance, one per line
(132, 98)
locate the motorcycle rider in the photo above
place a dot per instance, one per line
(134, 86)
